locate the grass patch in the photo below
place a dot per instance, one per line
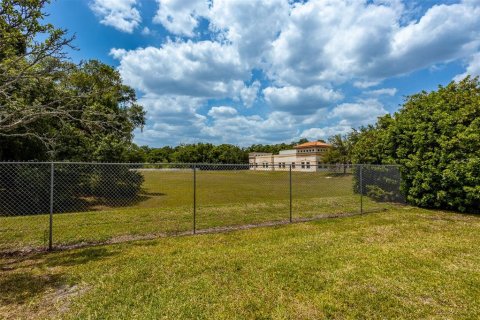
(405, 263)
(165, 205)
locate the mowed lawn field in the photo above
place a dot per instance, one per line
(165, 206)
(404, 263)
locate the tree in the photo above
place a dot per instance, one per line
(109, 114)
(435, 136)
(48, 104)
(340, 149)
(53, 109)
(374, 144)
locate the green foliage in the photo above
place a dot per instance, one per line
(205, 152)
(24, 189)
(379, 182)
(274, 148)
(51, 108)
(435, 136)
(76, 187)
(340, 151)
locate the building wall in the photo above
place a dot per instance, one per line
(283, 162)
(309, 160)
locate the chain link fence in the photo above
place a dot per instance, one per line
(46, 205)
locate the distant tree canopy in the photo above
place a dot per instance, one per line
(435, 136)
(51, 108)
(207, 152)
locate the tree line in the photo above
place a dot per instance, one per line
(204, 152)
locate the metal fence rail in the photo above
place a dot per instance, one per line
(47, 205)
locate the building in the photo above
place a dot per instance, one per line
(304, 157)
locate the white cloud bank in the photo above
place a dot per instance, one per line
(306, 50)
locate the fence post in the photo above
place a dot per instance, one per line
(290, 192)
(194, 198)
(50, 233)
(361, 189)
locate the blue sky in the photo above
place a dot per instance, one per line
(245, 71)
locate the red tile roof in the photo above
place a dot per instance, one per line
(312, 144)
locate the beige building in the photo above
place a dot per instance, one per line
(304, 157)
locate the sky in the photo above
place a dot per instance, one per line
(247, 72)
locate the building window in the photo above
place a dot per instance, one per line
(293, 165)
(303, 165)
(308, 165)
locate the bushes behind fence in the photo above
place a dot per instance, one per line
(381, 183)
(25, 188)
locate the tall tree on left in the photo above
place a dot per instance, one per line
(51, 108)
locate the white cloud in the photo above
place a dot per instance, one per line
(439, 36)
(330, 40)
(300, 101)
(249, 94)
(246, 130)
(174, 120)
(379, 92)
(146, 31)
(342, 118)
(341, 40)
(222, 112)
(363, 84)
(180, 17)
(302, 51)
(251, 26)
(120, 14)
(199, 69)
(473, 68)
(171, 119)
(325, 132)
(360, 113)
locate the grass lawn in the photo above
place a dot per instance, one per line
(403, 263)
(165, 205)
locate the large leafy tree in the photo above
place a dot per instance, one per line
(339, 152)
(435, 136)
(50, 107)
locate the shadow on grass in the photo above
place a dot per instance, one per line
(72, 203)
(99, 203)
(23, 279)
(18, 288)
(78, 257)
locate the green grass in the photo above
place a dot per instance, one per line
(400, 264)
(165, 206)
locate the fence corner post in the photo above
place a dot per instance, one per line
(194, 198)
(50, 229)
(361, 188)
(290, 169)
